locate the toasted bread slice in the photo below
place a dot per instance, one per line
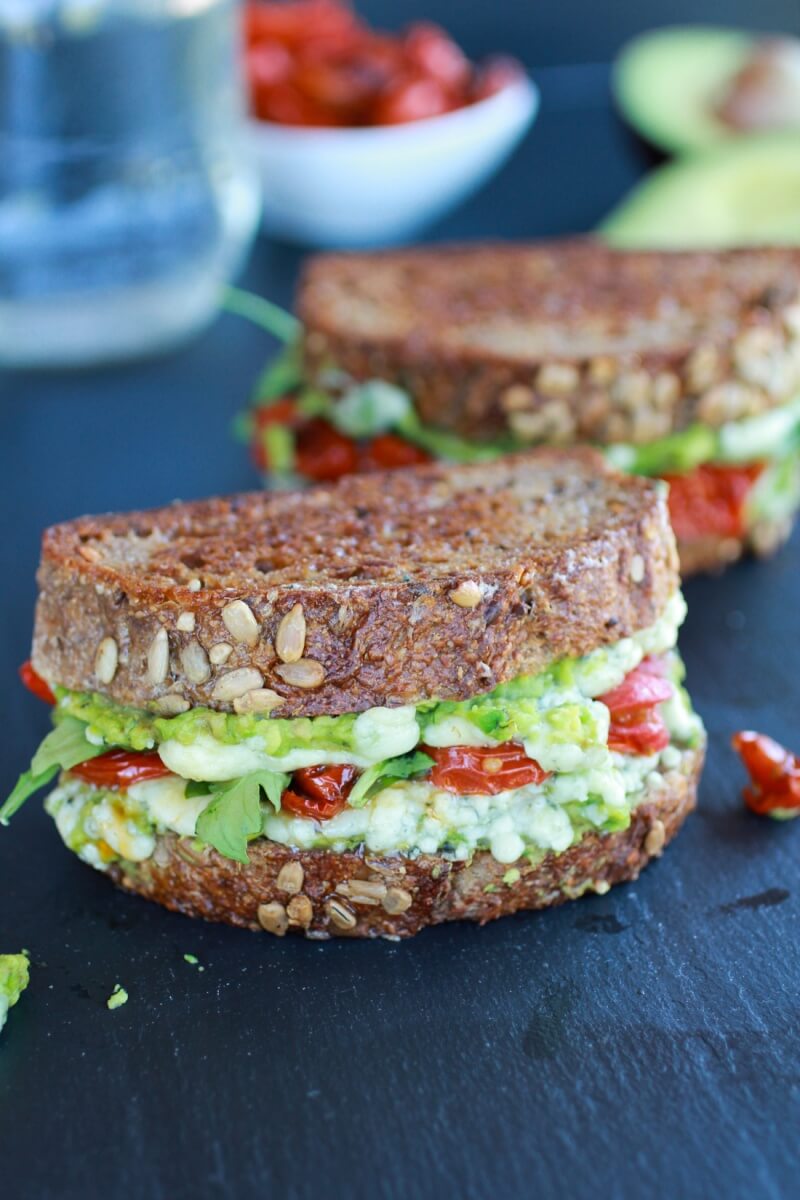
(562, 341)
(390, 588)
(358, 894)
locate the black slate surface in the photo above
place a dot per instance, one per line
(640, 1044)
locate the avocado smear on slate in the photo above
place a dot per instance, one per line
(14, 978)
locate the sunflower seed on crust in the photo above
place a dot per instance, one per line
(397, 900)
(305, 673)
(290, 639)
(340, 915)
(106, 660)
(273, 918)
(171, 705)
(158, 657)
(290, 878)
(240, 622)
(300, 911)
(467, 594)
(259, 700)
(194, 661)
(219, 653)
(233, 684)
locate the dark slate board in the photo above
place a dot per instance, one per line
(640, 1044)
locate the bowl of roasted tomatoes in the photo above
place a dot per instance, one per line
(364, 137)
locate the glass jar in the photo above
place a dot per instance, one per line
(126, 196)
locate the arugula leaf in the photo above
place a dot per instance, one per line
(26, 785)
(284, 374)
(449, 445)
(233, 815)
(377, 776)
(281, 324)
(195, 788)
(64, 747)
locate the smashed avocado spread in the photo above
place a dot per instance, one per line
(374, 407)
(225, 779)
(550, 710)
(14, 978)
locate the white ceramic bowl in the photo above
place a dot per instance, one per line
(366, 186)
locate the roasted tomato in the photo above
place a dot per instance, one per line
(774, 773)
(483, 770)
(296, 23)
(494, 75)
(636, 725)
(387, 451)
(433, 53)
(34, 683)
(412, 98)
(710, 500)
(322, 453)
(319, 792)
(120, 769)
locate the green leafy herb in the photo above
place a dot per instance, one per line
(284, 374)
(281, 324)
(449, 445)
(233, 815)
(64, 747)
(197, 788)
(377, 776)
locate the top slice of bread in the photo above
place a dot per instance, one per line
(562, 341)
(390, 588)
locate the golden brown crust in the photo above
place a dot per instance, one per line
(562, 341)
(322, 893)
(436, 582)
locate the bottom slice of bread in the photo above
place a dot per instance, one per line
(354, 893)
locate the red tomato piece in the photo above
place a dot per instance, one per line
(296, 22)
(319, 792)
(494, 75)
(483, 770)
(639, 733)
(636, 726)
(710, 500)
(120, 769)
(268, 64)
(322, 453)
(641, 688)
(412, 98)
(285, 104)
(432, 53)
(388, 451)
(277, 412)
(774, 771)
(34, 683)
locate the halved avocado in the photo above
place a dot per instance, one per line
(667, 83)
(744, 193)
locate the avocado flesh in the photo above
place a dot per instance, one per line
(668, 82)
(744, 193)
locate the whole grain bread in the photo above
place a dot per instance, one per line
(561, 341)
(385, 589)
(357, 894)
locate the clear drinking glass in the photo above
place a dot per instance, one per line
(127, 199)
